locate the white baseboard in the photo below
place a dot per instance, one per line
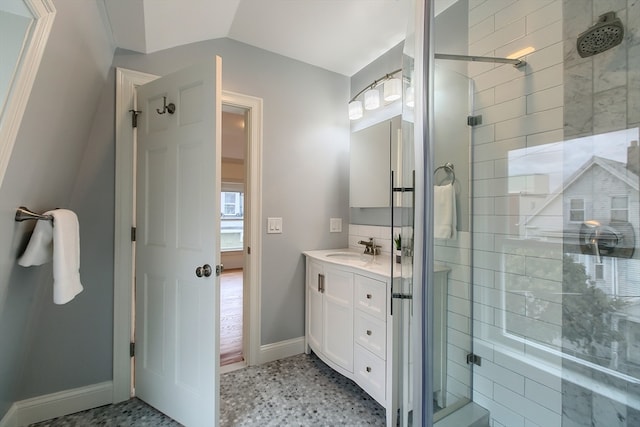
(54, 405)
(281, 350)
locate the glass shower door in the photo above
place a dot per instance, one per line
(452, 295)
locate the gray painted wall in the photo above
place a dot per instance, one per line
(64, 157)
(305, 160)
(47, 348)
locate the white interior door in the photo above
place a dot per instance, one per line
(178, 218)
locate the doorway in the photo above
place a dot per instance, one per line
(126, 83)
(235, 140)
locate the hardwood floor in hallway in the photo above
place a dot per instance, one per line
(231, 317)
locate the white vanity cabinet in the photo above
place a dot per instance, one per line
(370, 344)
(348, 323)
(330, 313)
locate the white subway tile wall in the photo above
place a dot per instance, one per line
(520, 108)
(381, 235)
(517, 285)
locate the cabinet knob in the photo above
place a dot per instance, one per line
(368, 296)
(368, 332)
(368, 369)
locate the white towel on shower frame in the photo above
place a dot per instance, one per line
(444, 212)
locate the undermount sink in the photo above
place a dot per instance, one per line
(347, 256)
(352, 258)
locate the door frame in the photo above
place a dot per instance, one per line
(124, 217)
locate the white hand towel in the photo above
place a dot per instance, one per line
(444, 210)
(40, 247)
(66, 256)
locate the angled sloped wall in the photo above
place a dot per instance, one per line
(41, 175)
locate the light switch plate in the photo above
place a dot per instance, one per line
(335, 225)
(274, 225)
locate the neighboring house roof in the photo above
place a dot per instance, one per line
(617, 169)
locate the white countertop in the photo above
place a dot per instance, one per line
(348, 257)
(378, 264)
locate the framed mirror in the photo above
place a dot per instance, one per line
(26, 25)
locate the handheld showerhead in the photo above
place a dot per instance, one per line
(604, 35)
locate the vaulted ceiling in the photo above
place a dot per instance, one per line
(338, 35)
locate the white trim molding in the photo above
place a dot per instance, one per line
(123, 272)
(281, 350)
(26, 69)
(55, 405)
(253, 204)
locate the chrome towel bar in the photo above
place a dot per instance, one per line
(24, 214)
(448, 167)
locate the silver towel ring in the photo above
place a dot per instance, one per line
(448, 167)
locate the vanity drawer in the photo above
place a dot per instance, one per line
(370, 333)
(370, 373)
(371, 296)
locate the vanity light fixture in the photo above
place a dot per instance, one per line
(392, 91)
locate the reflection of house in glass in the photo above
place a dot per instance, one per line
(604, 192)
(595, 216)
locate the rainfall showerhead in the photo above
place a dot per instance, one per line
(606, 34)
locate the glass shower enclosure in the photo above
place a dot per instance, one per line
(537, 310)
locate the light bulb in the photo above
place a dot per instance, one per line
(355, 110)
(410, 97)
(392, 90)
(371, 99)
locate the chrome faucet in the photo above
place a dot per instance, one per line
(370, 248)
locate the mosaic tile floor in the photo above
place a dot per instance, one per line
(297, 391)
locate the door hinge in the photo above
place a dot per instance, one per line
(474, 120)
(133, 234)
(473, 358)
(132, 349)
(134, 118)
(248, 250)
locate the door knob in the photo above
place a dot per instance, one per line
(205, 271)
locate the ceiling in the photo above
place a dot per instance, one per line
(338, 35)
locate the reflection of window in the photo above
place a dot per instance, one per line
(599, 272)
(232, 216)
(619, 208)
(576, 210)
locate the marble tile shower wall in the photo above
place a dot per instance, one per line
(521, 109)
(602, 92)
